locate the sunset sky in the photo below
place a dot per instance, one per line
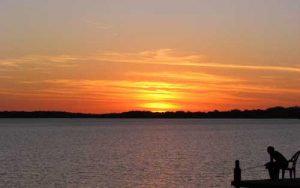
(104, 56)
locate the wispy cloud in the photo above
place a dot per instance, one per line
(107, 87)
(184, 76)
(171, 57)
(152, 57)
(39, 61)
(160, 56)
(249, 67)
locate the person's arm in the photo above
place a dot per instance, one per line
(267, 165)
(271, 159)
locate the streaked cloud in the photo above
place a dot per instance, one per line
(58, 60)
(188, 76)
(152, 57)
(171, 57)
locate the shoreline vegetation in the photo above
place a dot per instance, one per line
(274, 112)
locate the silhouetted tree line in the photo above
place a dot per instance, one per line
(275, 112)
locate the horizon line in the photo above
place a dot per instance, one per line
(160, 112)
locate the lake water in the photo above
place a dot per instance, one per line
(138, 152)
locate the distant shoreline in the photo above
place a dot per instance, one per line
(270, 113)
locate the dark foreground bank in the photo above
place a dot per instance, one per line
(275, 112)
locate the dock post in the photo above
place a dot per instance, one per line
(237, 174)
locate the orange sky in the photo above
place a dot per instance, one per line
(101, 56)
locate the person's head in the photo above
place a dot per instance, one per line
(270, 149)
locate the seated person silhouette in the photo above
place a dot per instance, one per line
(277, 162)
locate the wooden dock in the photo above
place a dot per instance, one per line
(265, 183)
(286, 183)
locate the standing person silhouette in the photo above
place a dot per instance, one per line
(277, 162)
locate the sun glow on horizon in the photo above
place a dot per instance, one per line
(160, 106)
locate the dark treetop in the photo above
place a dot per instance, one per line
(275, 112)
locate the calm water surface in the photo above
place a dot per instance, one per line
(137, 153)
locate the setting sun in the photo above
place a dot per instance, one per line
(160, 106)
